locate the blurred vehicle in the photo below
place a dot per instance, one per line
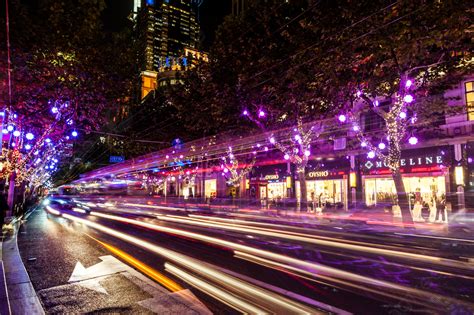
(67, 190)
(115, 187)
(52, 191)
(462, 222)
(136, 187)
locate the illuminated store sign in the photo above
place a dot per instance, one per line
(318, 174)
(272, 177)
(414, 161)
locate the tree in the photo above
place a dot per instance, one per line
(235, 171)
(62, 81)
(406, 53)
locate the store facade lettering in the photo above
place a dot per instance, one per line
(318, 174)
(272, 177)
(414, 161)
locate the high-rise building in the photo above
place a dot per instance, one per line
(166, 31)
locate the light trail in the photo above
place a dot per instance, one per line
(75, 209)
(52, 211)
(217, 293)
(249, 291)
(147, 270)
(314, 269)
(319, 240)
(438, 237)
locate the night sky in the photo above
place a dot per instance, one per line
(211, 15)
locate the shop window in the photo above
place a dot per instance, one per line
(469, 87)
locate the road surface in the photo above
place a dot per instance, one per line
(201, 261)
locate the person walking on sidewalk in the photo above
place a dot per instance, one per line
(441, 210)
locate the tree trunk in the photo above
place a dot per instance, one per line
(407, 218)
(303, 193)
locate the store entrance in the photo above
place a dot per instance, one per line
(326, 194)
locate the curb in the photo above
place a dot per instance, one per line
(21, 293)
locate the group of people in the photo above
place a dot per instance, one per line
(436, 205)
(318, 203)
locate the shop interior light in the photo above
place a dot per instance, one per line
(353, 179)
(459, 175)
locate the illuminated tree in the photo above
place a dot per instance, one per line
(296, 147)
(62, 82)
(403, 57)
(233, 170)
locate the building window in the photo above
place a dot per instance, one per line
(469, 86)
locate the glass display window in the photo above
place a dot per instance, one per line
(330, 192)
(276, 190)
(382, 190)
(210, 188)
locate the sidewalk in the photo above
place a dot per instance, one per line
(74, 273)
(20, 296)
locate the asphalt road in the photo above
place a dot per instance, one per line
(242, 261)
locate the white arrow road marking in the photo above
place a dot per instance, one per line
(93, 284)
(108, 266)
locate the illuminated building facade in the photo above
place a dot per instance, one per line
(168, 38)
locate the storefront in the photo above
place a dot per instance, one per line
(326, 184)
(270, 182)
(188, 187)
(210, 188)
(425, 171)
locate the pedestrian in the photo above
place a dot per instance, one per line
(3, 205)
(433, 207)
(441, 210)
(418, 206)
(312, 208)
